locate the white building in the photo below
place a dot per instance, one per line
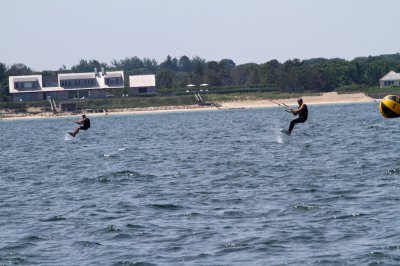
(390, 79)
(142, 84)
(64, 86)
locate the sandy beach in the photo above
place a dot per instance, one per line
(324, 98)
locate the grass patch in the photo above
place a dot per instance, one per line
(253, 96)
(189, 99)
(135, 102)
(373, 92)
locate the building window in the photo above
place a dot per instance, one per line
(88, 82)
(389, 83)
(83, 94)
(66, 83)
(73, 94)
(27, 85)
(143, 90)
(113, 81)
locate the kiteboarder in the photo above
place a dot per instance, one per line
(84, 124)
(302, 111)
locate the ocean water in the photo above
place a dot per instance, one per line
(220, 187)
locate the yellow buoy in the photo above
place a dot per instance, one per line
(390, 106)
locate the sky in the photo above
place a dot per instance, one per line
(47, 34)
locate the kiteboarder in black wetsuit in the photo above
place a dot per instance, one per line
(85, 125)
(302, 111)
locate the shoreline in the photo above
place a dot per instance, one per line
(324, 98)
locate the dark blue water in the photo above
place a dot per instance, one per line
(202, 188)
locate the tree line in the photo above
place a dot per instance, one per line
(294, 75)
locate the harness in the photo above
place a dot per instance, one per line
(304, 112)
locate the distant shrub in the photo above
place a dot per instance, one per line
(350, 88)
(20, 110)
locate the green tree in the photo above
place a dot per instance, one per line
(19, 70)
(226, 66)
(169, 64)
(4, 93)
(63, 69)
(3, 72)
(87, 66)
(375, 71)
(198, 65)
(185, 64)
(269, 73)
(246, 74)
(165, 79)
(128, 64)
(150, 65)
(211, 74)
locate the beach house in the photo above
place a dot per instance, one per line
(142, 84)
(64, 86)
(390, 79)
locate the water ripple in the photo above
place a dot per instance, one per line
(221, 187)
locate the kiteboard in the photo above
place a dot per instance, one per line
(71, 133)
(285, 131)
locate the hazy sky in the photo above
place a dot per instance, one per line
(46, 34)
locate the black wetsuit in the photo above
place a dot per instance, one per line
(303, 115)
(85, 124)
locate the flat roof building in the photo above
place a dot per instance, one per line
(64, 86)
(142, 84)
